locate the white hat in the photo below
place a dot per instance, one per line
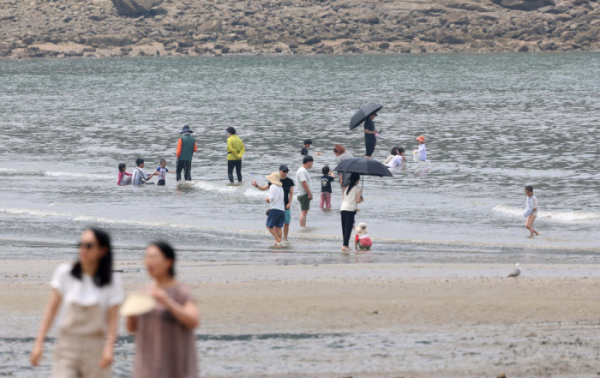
(137, 303)
(361, 229)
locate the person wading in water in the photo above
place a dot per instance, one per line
(185, 150)
(235, 151)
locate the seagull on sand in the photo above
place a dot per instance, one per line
(517, 272)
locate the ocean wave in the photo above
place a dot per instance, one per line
(43, 173)
(256, 193)
(557, 216)
(34, 212)
(209, 186)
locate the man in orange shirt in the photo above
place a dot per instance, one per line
(185, 151)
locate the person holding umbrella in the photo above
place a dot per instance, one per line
(185, 150)
(352, 197)
(352, 194)
(370, 138)
(367, 114)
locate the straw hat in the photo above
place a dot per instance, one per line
(361, 229)
(274, 178)
(137, 303)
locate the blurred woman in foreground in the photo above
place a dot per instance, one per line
(164, 337)
(86, 296)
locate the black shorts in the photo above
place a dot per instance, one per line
(370, 148)
(161, 182)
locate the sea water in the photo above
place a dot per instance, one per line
(493, 124)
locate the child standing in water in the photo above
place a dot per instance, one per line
(326, 180)
(124, 177)
(421, 152)
(531, 211)
(162, 172)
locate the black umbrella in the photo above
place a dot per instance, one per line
(361, 115)
(362, 166)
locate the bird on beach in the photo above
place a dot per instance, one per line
(517, 272)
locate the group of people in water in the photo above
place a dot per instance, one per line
(84, 301)
(280, 186)
(186, 147)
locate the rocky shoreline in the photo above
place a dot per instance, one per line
(105, 28)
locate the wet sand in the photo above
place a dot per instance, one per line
(545, 323)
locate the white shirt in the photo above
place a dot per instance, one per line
(302, 175)
(349, 201)
(139, 176)
(396, 161)
(422, 153)
(530, 204)
(84, 292)
(276, 197)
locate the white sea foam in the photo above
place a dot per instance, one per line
(256, 193)
(210, 186)
(39, 172)
(557, 216)
(34, 212)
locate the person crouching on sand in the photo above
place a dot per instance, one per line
(276, 213)
(363, 241)
(531, 211)
(86, 295)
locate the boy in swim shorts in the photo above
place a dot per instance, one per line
(162, 172)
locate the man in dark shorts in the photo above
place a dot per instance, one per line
(370, 139)
(288, 192)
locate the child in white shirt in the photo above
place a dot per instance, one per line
(531, 211)
(421, 152)
(397, 158)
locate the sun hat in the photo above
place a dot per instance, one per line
(274, 178)
(137, 303)
(420, 137)
(186, 129)
(361, 229)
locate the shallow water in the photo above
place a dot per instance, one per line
(494, 123)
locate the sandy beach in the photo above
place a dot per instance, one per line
(527, 327)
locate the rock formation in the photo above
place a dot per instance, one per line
(103, 28)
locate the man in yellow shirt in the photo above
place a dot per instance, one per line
(235, 151)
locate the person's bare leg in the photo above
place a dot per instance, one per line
(286, 231)
(274, 233)
(279, 233)
(528, 226)
(303, 214)
(533, 217)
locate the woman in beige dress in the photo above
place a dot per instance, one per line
(86, 295)
(164, 338)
